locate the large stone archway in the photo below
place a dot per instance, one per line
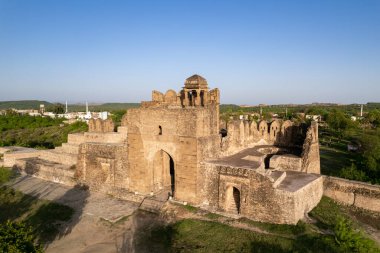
(163, 172)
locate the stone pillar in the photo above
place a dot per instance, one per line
(205, 97)
(198, 98)
(185, 98)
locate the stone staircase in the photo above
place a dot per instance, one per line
(152, 204)
(155, 203)
(232, 205)
(48, 170)
(57, 165)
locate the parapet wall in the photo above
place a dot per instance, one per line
(353, 193)
(243, 134)
(172, 98)
(102, 126)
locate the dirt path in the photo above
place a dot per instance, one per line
(91, 228)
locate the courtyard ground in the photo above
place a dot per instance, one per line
(104, 224)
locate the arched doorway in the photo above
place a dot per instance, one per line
(163, 173)
(233, 200)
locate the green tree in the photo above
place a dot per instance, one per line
(337, 120)
(117, 116)
(370, 142)
(16, 237)
(58, 108)
(350, 240)
(373, 117)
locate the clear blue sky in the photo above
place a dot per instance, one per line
(254, 51)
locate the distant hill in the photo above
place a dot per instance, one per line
(23, 104)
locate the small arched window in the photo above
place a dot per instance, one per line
(159, 130)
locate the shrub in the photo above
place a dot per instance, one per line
(16, 237)
(353, 173)
(350, 240)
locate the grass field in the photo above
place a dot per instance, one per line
(333, 160)
(214, 235)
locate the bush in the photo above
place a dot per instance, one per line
(16, 237)
(5, 175)
(353, 173)
(350, 240)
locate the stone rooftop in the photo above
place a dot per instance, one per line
(253, 158)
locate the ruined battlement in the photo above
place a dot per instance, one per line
(194, 94)
(101, 126)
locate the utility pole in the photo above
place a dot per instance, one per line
(361, 110)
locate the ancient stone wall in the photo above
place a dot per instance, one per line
(310, 151)
(243, 134)
(260, 200)
(102, 126)
(11, 154)
(177, 132)
(353, 193)
(103, 166)
(307, 198)
(286, 162)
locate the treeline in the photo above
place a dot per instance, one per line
(23, 104)
(109, 107)
(12, 120)
(35, 131)
(291, 110)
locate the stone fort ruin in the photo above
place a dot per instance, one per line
(176, 145)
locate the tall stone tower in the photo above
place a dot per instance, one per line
(169, 136)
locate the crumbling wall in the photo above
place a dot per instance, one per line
(260, 198)
(102, 126)
(286, 162)
(243, 134)
(103, 166)
(310, 154)
(353, 193)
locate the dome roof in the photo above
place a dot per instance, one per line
(196, 82)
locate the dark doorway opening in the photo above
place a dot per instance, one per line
(236, 196)
(172, 176)
(267, 161)
(223, 132)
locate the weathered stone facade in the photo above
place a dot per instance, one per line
(265, 171)
(353, 193)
